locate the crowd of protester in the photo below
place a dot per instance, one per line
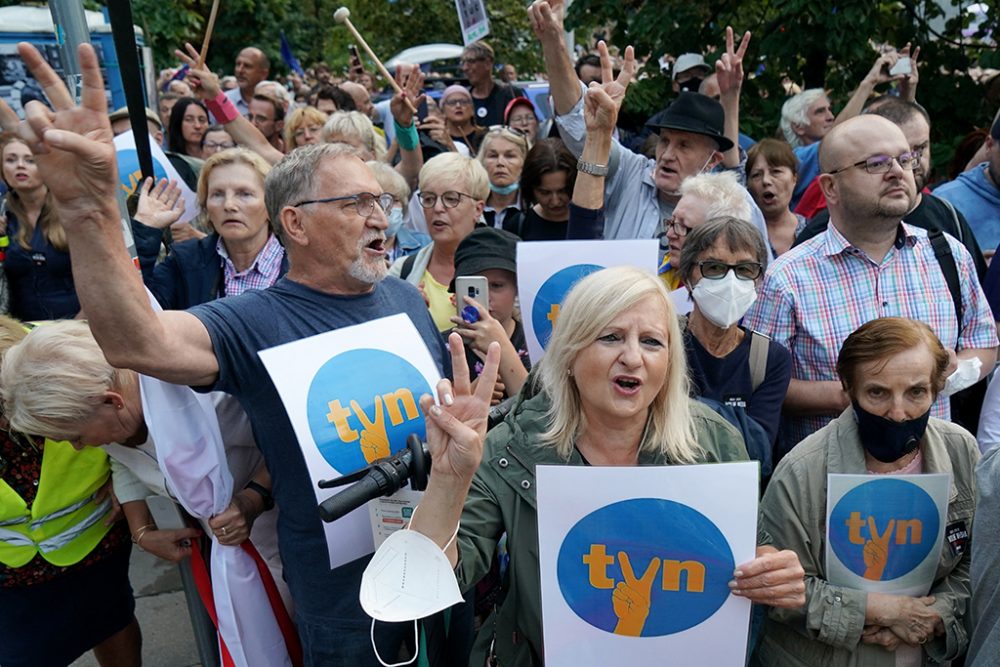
(822, 304)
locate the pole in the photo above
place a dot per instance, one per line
(71, 30)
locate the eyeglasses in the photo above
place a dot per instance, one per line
(715, 270)
(220, 146)
(526, 118)
(457, 102)
(450, 199)
(678, 228)
(467, 61)
(880, 164)
(363, 202)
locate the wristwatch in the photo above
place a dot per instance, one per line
(264, 493)
(592, 168)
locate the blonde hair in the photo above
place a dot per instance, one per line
(391, 181)
(298, 118)
(722, 194)
(52, 229)
(458, 170)
(52, 381)
(587, 310)
(223, 159)
(357, 126)
(510, 135)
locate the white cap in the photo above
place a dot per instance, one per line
(687, 61)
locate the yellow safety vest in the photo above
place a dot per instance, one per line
(64, 523)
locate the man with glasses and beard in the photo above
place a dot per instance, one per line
(867, 264)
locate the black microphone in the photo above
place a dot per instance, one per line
(382, 478)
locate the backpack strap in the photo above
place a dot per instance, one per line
(407, 268)
(954, 217)
(759, 345)
(946, 260)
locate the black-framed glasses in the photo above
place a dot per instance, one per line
(880, 164)
(716, 270)
(678, 228)
(363, 202)
(450, 199)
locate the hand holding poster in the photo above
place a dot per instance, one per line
(546, 270)
(352, 397)
(884, 534)
(636, 562)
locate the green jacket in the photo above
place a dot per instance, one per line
(502, 499)
(827, 630)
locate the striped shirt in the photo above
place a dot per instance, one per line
(261, 274)
(818, 293)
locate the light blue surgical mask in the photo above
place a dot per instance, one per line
(505, 189)
(395, 217)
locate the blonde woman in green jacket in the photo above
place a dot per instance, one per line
(892, 370)
(613, 391)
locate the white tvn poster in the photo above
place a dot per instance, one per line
(472, 17)
(635, 563)
(352, 396)
(884, 534)
(546, 270)
(130, 174)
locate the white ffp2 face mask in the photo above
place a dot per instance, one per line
(408, 578)
(724, 300)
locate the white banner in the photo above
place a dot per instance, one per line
(884, 534)
(473, 19)
(546, 270)
(130, 175)
(636, 562)
(352, 396)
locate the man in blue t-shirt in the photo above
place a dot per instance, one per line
(320, 203)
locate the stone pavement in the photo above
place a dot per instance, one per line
(167, 637)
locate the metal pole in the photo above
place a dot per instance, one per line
(205, 637)
(71, 30)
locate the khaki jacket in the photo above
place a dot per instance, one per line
(827, 631)
(502, 498)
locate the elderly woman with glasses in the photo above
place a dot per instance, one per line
(722, 264)
(453, 192)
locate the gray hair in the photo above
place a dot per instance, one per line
(53, 380)
(391, 181)
(738, 235)
(291, 180)
(588, 308)
(357, 126)
(721, 192)
(795, 111)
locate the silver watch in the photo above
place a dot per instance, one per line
(592, 168)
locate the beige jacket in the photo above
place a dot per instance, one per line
(826, 632)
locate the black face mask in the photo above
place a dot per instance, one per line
(888, 440)
(691, 85)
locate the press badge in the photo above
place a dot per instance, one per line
(958, 537)
(390, 513)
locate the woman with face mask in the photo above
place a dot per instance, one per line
(892, 370)
(722, 263)
(502, 154)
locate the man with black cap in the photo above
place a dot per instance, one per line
(492, 253)
(640, 193)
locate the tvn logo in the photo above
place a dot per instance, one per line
(362, 405)
(645, 568)
(545, 309)
(883, 529)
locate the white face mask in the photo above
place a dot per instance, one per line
(724, 300)
(408, 578)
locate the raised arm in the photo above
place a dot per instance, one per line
(729, 71)
(879, 73)
(206, 86)
(411, 159)
(547, 21)
(75, 155)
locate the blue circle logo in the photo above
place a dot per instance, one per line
(362, 405)
(129, 171)
(883, 529)
(545, 309)
(645, 568)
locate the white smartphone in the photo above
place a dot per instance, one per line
(476, 287)
(166, 513)
(902, 66)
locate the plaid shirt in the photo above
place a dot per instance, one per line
(261, 274)
(818, 293)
